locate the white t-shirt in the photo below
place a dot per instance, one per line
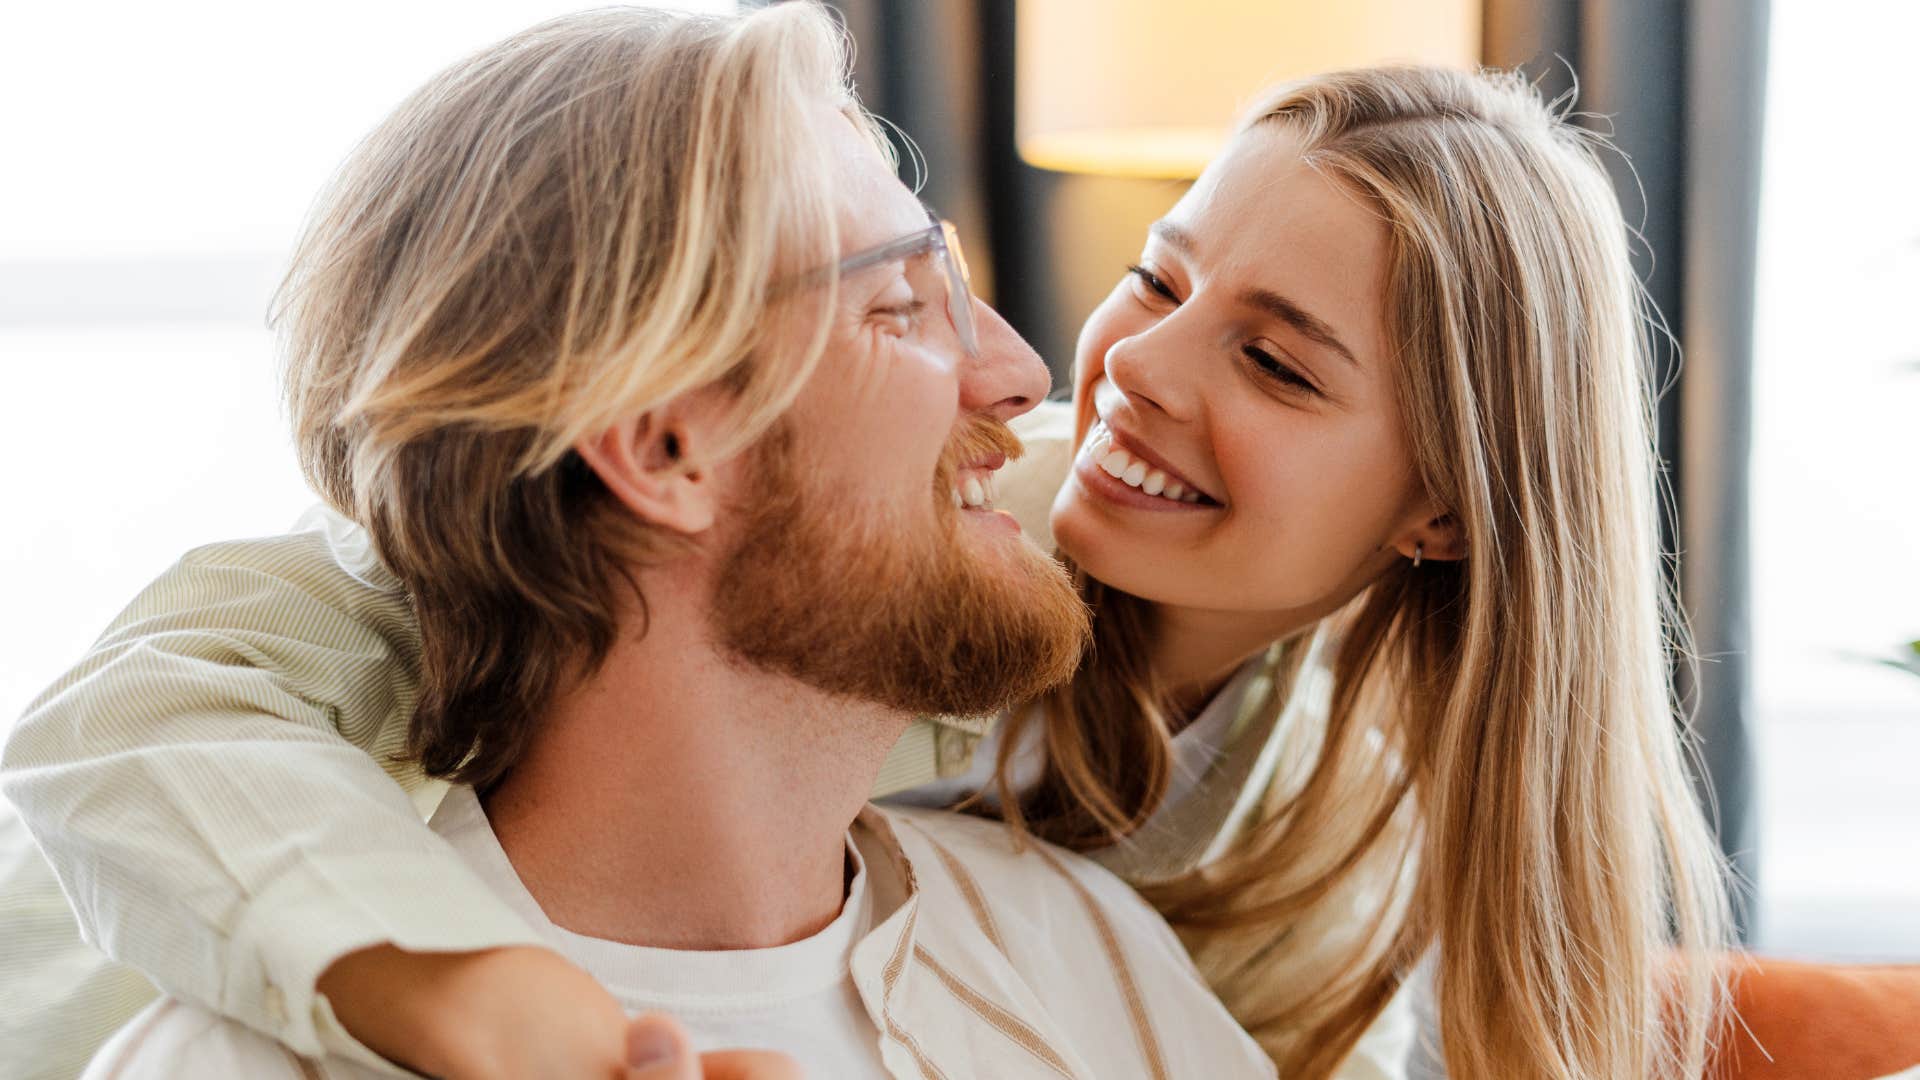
(798, 998)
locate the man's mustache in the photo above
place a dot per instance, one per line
(980, 437)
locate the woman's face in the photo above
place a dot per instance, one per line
(1244, 367)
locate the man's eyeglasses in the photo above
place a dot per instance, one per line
(941, 241)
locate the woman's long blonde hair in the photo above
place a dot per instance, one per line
(1501, 770)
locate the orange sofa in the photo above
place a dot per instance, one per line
(1822, 1022)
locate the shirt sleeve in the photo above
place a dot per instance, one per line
(218, 788)
(172, 1039)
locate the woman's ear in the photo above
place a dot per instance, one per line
(643, 462)
(1437, 537)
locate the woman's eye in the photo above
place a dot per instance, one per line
(1273, 368)
(1152, 281)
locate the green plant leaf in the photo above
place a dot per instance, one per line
(1909, 660)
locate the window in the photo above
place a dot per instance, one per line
(161, 157)
(1836, 485)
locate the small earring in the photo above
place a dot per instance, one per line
(1419, 553)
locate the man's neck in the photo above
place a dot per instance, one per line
(680, 800)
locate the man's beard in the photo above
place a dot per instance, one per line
(888, 608)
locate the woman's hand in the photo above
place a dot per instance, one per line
(518, 1012)
(658, 1049)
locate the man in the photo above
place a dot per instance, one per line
(673, 423)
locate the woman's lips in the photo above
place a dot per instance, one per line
(1139, 463)
(1111, 470)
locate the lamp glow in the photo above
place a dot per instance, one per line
(1149, 88)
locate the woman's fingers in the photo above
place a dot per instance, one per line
(658, 1049)
(749, 1065)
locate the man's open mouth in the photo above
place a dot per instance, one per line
(973, 484)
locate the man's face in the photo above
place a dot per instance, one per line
(854, 570)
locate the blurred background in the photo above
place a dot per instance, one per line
(160, 159)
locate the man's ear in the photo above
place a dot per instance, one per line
(643, 462)
(1435, 536)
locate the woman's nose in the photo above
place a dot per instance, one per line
(1145, 367)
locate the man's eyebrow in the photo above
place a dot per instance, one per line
(1313, 328)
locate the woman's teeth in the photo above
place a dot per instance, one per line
(1133, 472)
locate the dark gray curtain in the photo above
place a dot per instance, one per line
(1678, 83)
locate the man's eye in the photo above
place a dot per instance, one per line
(1152, 281)
(905, 317)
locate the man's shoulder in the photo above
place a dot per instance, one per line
(992, 846)
(1019, 877)
(171, 1038)
(1066, 946)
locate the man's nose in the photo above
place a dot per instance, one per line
(1007, 378)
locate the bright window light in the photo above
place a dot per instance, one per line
(160, 160)
(1836, 486)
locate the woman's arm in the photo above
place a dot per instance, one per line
(216, 785)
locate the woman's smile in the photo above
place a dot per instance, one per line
(1121, 470)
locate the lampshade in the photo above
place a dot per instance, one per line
(1151, 87)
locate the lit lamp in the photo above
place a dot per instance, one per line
(1151, 88)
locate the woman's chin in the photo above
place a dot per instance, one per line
(1109, 555)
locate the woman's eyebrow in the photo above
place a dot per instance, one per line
(1309, 325)
(1172, 235)
(1297, 317)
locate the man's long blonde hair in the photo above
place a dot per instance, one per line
(572, 227)
(1500, 771)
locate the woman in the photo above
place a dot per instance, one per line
(1362, 494)
(1393, 334)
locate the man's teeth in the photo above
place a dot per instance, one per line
(974, 492)
(1135, 473)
